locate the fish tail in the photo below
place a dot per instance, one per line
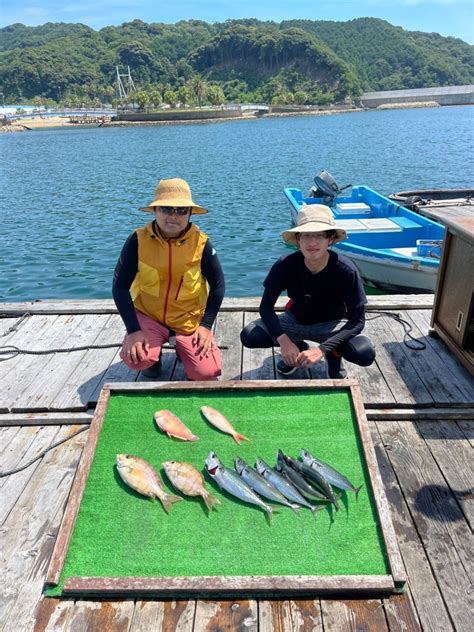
(240, 437)
(357, 490)
(296, 508)
(168, 500)
(210, 501)
(269, 511)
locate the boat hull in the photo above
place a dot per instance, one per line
(392, 277)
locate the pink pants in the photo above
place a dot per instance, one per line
(196, 368)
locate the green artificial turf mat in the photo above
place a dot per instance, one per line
(120, 533)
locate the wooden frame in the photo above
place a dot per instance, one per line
(228, 585)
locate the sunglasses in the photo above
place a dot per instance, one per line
(179, 210)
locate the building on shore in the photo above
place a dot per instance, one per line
(449, 95)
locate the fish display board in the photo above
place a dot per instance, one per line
(115, 542)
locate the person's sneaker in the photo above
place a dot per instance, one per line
(336, 370)
(154, 370)
(285, 369)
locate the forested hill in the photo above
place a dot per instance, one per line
(298, 61)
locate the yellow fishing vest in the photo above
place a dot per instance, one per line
(169, 286)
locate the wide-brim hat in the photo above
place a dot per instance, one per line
(173, 192)
(313, 218)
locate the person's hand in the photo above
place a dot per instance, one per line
(135, 347)
(309, 357)
(289, 351)
(202, 341)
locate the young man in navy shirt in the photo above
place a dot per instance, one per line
(327, 301)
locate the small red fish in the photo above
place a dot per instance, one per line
(173, 426)
(218, 420)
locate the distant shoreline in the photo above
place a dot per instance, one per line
(39, 122)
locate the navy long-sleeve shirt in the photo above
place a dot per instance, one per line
(332, 294)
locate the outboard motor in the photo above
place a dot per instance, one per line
(326, 188)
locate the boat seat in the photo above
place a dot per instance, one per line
(404, 222)
(353, 208)
(406, 252)
(375, 225)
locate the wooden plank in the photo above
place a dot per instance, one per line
(468, 429)
(345, 615)
(434, 371)
(56, 336)
(28, 533)
(226, 615)
(446, 539)
(400, 614)
(162, 616)
(453, 371)
(12, 370)
(52, 615)
(8, 326)
(302, 615)
(16, 445)
(257, 364)
(388, 532)
(453, 454)
(13, 485)
(76, 391)
(55, 374)
(67, 525)
(227, 333)
(225, 585)
(394, 414)
(402, 379)
(374, 387)
(422, 584)
(104, 616)
(117, 371)
(107, 306)
(44, 419)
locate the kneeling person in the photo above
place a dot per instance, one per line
(169, 282)
(327, 301)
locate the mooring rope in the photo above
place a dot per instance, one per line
(41, 454)
(415, 345)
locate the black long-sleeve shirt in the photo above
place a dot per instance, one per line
(332, 294)
(126, 270)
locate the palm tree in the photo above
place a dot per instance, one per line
(198, 87)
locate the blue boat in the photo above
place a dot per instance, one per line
(395, 249)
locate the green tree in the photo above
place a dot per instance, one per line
(170, 97)
(198, 88)
(142, 98)
(215, 95)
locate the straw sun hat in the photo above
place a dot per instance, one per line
(174, 192)
(313, 218)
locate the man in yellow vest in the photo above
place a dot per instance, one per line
(169, 282)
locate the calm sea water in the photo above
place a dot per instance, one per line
(69, 197)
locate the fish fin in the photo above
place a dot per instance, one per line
(357, 490)
(315, 509)
(240, 437)
(168, 500)
(210, 501)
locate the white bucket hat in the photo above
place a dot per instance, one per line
(313, 218)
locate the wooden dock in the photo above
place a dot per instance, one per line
(420, 406)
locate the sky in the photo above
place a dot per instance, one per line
(448, 17)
